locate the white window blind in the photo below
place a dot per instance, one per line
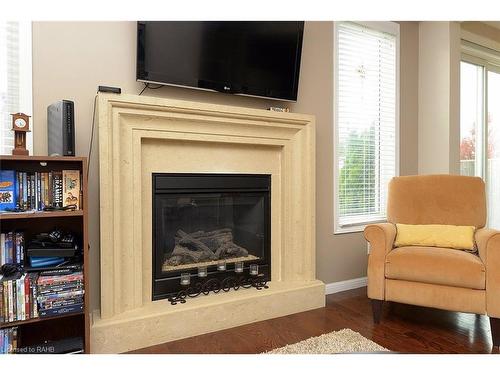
(366, 110)
(15, 79)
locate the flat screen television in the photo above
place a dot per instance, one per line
(255, 58)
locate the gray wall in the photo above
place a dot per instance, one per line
(70, 59)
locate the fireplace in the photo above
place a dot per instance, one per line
(208, 220)
(139, 136)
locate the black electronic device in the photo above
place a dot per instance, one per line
(61, 128)
(55, 243)
(72, 345)
(255, 58)
(46, 251)
(114, 90)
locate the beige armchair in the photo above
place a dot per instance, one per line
(430, 276)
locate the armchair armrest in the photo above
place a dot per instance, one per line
(381, 238)
(488, 244)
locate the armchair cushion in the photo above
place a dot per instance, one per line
(438, 235)
(435, 265)
(437, 199)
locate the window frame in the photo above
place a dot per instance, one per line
(26, 105)
(359, 225)
(489, 60)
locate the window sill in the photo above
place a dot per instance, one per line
(350, 229)
(355, 228)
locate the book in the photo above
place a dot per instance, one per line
(59, 279)
(27, 314)
(2, 315)
(71, 294)
(3, 254)
(32, 192)
(39, 262)
(18, 298)
(59, 294)
(8, 191)
(39, 190)
(5, 301)
(71, 188)
(62, 302)
(19, 182)
(8, 340)
(20, 242)
(28, 191)
(71, 309)
(34, 295)
(44, 189)
(57, 190)
(9, 247)
(16, 248)
(50, 195)
(25, 190)
(60, 287)
(11, 302)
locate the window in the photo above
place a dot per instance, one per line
(15, 79)
(366, 109)
(480, 121)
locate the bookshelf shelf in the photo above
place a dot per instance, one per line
(39, 214)
(40, 330)
(36, 320)
(41, 158)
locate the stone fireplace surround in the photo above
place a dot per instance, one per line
(139, 136)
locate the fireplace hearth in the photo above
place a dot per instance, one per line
(212, 221)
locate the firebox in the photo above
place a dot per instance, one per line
(210, 220)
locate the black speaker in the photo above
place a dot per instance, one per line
(61, 128)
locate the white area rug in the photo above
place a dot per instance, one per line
(343, 341)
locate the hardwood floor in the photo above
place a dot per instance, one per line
(403, 328)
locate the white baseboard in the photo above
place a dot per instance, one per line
(340, 286)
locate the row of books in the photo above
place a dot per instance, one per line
(11, 248)
(28, 191)
(8, 340)
(18, 298)
(60, 294)
(35, 295)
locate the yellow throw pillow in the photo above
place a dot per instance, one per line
(451, 236)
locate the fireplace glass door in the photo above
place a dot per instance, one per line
(201, 220)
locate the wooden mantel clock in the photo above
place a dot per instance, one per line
(20, 125)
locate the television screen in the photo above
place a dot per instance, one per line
(256, 58)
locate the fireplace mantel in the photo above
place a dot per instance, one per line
(139, 136)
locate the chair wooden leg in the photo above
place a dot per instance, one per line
(495, 331)
(377, 310)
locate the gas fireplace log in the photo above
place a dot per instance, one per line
(230, 250)
(183, 255)
(201, 233)
(204, 246)
(186, 240)
(213, 239)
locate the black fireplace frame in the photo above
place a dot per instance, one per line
(165, 286)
